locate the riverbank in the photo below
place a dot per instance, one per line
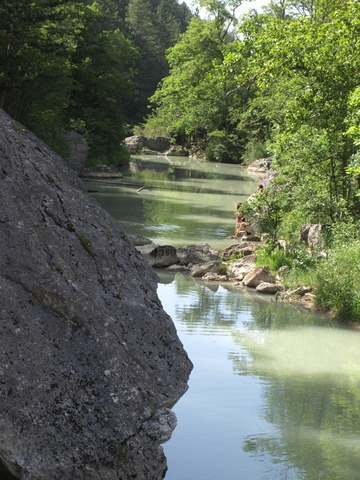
(235, 264)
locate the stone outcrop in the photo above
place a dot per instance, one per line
(266, 287)
(89, 361)
(140, 143)
(258, 275)
(158, 255)
(243, 248)
(262, 169)
(269, 176)
(197, 253)
(260, 166)
(243, 270)
(311, 234)
(139, 241)
(240, 268)
(202, 269)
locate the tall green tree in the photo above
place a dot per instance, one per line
(37, 40)
(154, 26)
(192, 100)
(102, 72)
(306, 69)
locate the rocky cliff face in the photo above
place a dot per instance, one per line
(89, 360)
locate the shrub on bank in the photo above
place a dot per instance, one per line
(301, 263)
(337, 282)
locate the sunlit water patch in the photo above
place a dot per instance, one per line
(274, 393)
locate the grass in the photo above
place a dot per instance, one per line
(335, 280)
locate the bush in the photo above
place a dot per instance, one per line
(302, 264)
(255, 150)
(337, 282)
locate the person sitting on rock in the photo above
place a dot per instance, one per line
(243, 228)
(238, 219)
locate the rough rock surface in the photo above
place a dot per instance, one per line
(257, 276)
(203, 268)
(197, 253)
(158, 255)
(138, 143)
(139, 241)
(266, 287)
(238, 248)
(260, 166)
(311, 234)
(89, 360)
(239, 269)
(215, 277)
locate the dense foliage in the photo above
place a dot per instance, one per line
(84, 65)
(283, 83)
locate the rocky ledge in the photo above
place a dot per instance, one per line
(200, 260)
(90, 364)
(139, 144)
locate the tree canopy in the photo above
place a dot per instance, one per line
(285, 83)
(81, 65)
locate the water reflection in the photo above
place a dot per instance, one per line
(274, 393)
(311, 393)
(194, 203)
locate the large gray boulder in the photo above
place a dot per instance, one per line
(261, 165)
(140, 143)
(197, 253)
(258, 275)
(203, 268)
(89, 361)
(158, 255)
(312, 234)
(266, 287)
(243, 248)
(240, 268)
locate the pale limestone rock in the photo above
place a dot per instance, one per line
(257, 276)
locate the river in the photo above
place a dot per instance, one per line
(275, 390)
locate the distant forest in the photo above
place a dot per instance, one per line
(85, 66)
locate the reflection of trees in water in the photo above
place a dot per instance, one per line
(316, 412)
(207, 305)
(182, 168)
(317, 429)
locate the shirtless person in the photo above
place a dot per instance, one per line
(242, 228)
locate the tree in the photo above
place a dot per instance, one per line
(192, 101)
(36, 42)
(305, 70)
(103, 71)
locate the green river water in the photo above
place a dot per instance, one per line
(275, 390)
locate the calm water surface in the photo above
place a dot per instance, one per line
(195, 201)
(275, 390)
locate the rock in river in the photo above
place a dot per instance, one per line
(89, 361)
